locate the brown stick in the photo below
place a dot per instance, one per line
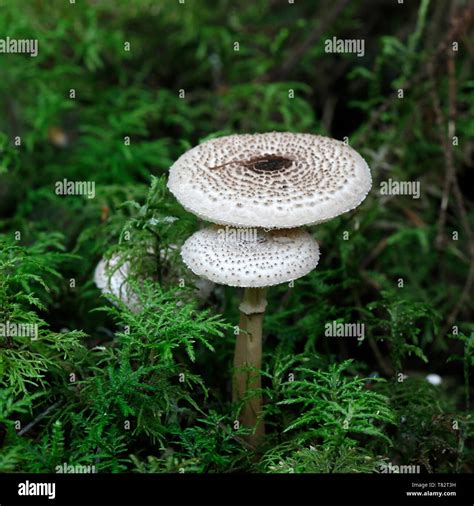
(451, 180)
(247, 381)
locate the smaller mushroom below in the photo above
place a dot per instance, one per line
(252, 259)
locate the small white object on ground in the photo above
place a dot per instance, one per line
(434, 379)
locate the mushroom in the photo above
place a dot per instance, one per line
(112, 276)
(270, 180)
(253, 261)
(276, 180)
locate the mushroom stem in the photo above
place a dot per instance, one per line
(248, 362)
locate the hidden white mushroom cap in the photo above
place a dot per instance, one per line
(250, 257)
(270, 180)
(112, 279)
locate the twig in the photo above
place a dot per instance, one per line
(238, 438)
(384, 366)
(448, 155)
(451, 181)
(379, 248)
(28, 427)
(450, 170)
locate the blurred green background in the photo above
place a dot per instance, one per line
(117, 92)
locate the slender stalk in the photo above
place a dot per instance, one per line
(248, 362)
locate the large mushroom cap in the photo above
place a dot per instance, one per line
(250, 257)
(271, 180)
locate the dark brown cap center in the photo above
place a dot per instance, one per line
(264, 163)
(268, 163)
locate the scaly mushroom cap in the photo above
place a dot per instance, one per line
(250, 257)
(271, 180)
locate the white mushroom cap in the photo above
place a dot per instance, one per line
(112, 279)
(112, 276)
(271, 180)
(250, 257)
